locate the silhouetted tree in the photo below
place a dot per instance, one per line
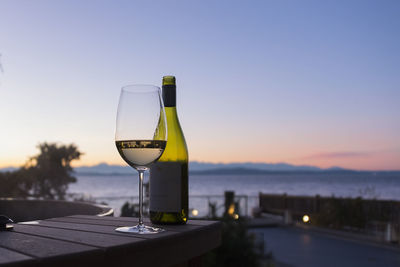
(52, 171)
(45, 175)
(15, 184)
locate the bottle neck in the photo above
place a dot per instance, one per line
(169, 95)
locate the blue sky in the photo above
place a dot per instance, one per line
(303, 82)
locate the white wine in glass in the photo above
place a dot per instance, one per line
(140, 137)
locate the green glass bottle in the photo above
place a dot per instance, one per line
(169, 203)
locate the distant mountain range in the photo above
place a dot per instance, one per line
(8, 169)
(207, 168)
(196, 167)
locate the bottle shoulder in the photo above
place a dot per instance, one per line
(176, 149)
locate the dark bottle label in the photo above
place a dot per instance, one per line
(169, 95)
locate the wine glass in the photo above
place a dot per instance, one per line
(140, 137)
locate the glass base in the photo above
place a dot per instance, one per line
(139, 229)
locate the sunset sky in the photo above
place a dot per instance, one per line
(301, 82)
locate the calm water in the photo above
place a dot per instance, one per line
(115, 190)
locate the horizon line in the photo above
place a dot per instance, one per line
(233, 162)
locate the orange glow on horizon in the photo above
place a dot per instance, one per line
(385, 160)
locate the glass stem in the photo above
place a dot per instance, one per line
(141, 176)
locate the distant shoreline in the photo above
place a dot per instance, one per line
(244, 168)
(243, 171)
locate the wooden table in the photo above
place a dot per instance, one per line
(91, 241)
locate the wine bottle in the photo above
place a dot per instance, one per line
(169, 175)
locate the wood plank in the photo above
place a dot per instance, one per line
(105, 229)
(9, 257)
(145, 220)
(127, 222)
(107, 218)
(48, 250)
(86, 238)
(134, 219)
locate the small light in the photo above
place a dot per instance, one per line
(195, 212)
(231, 209)
(306, 218)
(236, 216)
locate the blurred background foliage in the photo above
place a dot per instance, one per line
(46, 175)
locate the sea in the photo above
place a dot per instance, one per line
(115, 190)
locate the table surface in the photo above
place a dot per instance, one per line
(83, 240)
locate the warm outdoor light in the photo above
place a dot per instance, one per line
(236, 216)
(231, 209)
(306, 218)
(195, 212)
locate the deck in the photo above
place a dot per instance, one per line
(82, 240)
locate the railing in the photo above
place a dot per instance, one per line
(200, 206)
(376, 217)
(299, 205)
(214, 205)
